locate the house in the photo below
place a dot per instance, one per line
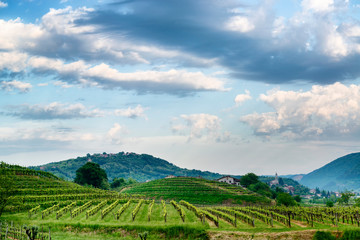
(289, 189)
(229, 180)
(312, 191)
(170, 176)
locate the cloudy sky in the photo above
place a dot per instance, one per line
(230, 86)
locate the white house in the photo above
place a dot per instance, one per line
(229, 180)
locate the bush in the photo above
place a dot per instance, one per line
(285, 199)
(351, 235)
(329, 203)
(320, 235)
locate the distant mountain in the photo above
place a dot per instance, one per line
(338, 175)
(141, 167)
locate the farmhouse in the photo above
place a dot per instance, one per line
(229, 180)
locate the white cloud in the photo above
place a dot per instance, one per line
(240, 98)
(53, 110)
(200, 126)
(318, 5)
(116, 133)
(36, 133)
(11, 85)
(136, 112)
(3, 4)
(324, 111)
(240, 24)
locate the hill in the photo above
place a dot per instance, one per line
(197, 191)
(29, 187)
(141, 167)
(338, 175)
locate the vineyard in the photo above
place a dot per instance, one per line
(187, 208)
(196, 190)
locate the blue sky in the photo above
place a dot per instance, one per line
(227, 86)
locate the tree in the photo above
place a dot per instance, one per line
(91, 174)
(118, 182)
(297, 198)
(285, 199)
(345, 197)
(281, 182)
(329, 203)
(261, 188)
(248, 179)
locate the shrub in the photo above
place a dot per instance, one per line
(320, 235)
(351, 235)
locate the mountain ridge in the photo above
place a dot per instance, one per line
(141, 167)
(340, 174)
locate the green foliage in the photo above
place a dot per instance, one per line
(350, 235)
(285, 199)
(321, 235)
(297, 198)
(248, 179)
(118, 182)
(91, 174)
(31, 232)
(261, 188)
(7, 190)
(143, 236)
(329, 203)
(345, 197)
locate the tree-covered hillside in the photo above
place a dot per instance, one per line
(141, 167)
(339, 175)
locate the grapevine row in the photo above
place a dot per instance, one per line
(105, 211)
(179, 209)
(136, 209)
(122, 209)
(64, 210)
(80, 209)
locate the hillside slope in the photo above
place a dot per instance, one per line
(197, 191)
(338, 175)
(141, 167)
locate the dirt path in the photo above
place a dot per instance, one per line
(292, 235)
(124, 189)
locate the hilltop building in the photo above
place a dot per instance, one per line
(229, 180)
(275, 182)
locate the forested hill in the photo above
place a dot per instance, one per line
(141, 167)
(338, 175)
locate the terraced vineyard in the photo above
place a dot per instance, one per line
(195, 190)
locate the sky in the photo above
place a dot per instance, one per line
(230, 86)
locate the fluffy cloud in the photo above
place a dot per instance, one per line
(318, 5)
(3, 4)
(11, 85)
(136, 112)
(250, 41)
(116, 133)
(240, 98)
(53, 110)
(324, 111)
(200, 126)
(102, 75)
(240, 24)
